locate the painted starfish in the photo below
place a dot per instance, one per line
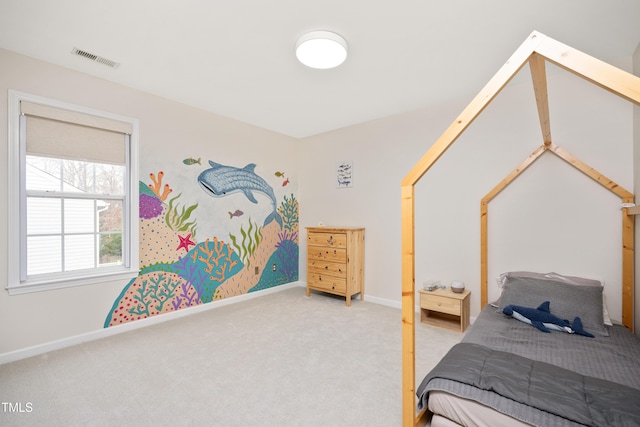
(185, 242)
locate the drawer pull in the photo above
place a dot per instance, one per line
(326, 267)
(330, 240)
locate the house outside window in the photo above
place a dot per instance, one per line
(73, 210)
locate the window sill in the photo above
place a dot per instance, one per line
(49, 285)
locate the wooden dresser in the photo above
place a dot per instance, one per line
(335, 261)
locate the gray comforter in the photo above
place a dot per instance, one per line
(613, 359)
(578, 398)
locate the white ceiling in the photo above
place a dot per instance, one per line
(236, 57)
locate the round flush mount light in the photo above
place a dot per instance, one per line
(321, 49)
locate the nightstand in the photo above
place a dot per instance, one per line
(445, 308)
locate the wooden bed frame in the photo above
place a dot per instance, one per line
(535, 50)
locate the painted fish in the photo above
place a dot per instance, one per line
(237, 213)
(191, 161)
(221, 180)
(286, 181)
(279, 174)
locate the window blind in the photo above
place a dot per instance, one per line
(59, 133)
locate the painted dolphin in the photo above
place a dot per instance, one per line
(221, 180)
(542, 319)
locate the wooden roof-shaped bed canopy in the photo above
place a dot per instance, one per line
(536, 49)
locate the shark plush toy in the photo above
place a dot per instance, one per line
(542, 319)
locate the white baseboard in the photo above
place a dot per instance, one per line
(369, 298)
(384, 301)
(113, 330)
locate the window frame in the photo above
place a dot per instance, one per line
(16, 231)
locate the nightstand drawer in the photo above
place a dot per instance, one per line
(440, 304)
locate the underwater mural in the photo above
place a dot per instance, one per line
(195, 253)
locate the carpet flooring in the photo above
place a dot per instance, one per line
(283, 359)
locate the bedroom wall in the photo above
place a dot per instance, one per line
(176, 141)
(553, 218)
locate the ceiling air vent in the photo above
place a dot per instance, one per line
(94, 57)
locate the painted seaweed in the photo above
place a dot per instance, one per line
(250, 241)
(176, 217)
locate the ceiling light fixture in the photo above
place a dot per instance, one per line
(321, 49)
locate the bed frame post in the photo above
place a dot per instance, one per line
(628, 261)
(484, 262)
(408, 310)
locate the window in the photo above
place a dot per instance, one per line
(73, 192)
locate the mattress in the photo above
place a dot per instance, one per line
(614, 358)
(451, 410)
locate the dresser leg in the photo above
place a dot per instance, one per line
(308, 291)
(348, 300)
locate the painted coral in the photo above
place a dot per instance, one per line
(150, 206)
(151, 294)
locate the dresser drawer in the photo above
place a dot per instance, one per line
(325, 267)
(318, 253)
(327, 283)
(440, 304)
(332, 240)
